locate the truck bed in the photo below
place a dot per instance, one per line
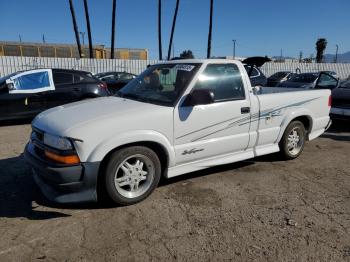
(272, 90)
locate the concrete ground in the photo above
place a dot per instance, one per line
(259, 210)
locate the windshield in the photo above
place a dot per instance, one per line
(345, 84)
(303, 78)
(160, 84)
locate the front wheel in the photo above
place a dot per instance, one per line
(132, 174)
(293, 140)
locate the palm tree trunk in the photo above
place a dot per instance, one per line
(160, 29)
(113, 28)
(88, 28)
(75, 27)
(173, 28)
(210, 29)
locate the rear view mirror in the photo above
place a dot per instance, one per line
(199, 97)
(326, 81)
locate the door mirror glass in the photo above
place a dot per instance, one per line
(199, 97)
(326, 81)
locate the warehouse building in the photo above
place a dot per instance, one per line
(67, 50)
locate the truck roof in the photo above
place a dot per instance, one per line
(186, 61)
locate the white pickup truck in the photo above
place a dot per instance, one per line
(175, 118)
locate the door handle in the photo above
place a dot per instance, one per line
(245, 110)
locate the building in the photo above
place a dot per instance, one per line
(67, 50)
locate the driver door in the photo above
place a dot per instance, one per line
(326, 81)
(26, 92)
(219, 128)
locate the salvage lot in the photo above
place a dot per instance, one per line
(263, 209)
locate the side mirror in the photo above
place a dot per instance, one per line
(10, 85)
(199, 97)
(326, 81)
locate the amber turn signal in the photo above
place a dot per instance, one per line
(69, 160)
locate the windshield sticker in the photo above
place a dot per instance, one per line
(184, 67)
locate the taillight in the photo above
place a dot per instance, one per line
(102, 85)
(330, 101)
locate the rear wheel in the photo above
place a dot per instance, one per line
(293, 140)
(132, 174)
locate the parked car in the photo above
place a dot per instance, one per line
(332, 73)
(279, 77)
(251, 65)
(341, 101)
(257, 77)
(115, 80)
(176, 117)
(311, 80)
(25, 94)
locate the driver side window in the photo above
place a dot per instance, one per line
(224, 80)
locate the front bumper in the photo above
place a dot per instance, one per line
(64, 184)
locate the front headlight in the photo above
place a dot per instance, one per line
(57, 142)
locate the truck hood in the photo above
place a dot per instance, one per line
(63, 119)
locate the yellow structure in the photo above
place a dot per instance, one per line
(66, 50)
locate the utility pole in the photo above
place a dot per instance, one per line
(234, 49)
(113, 28)
(160, 29)
(87, 17)
(82, 34)
(173, 28)
(20, 38)
(336, 54)
(210, 29)
(281, 55)
(75, 27)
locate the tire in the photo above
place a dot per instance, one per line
(132, 174)
(293, 140)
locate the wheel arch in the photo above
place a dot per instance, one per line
(303, 116)
(159, 149)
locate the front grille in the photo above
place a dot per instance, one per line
(37, 139)
(38, 135)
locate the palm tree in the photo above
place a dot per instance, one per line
(173, 28)
(321, 45)
(160, 29)
(88, 28)
(113, 28)
(75, 27)
(210, 28)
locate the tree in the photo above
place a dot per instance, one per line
(87, 17)
(210, 28)
(75, 27)
(113, 28)
(321, 45)
(186, 54)
(160, 29)
(173, 28)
